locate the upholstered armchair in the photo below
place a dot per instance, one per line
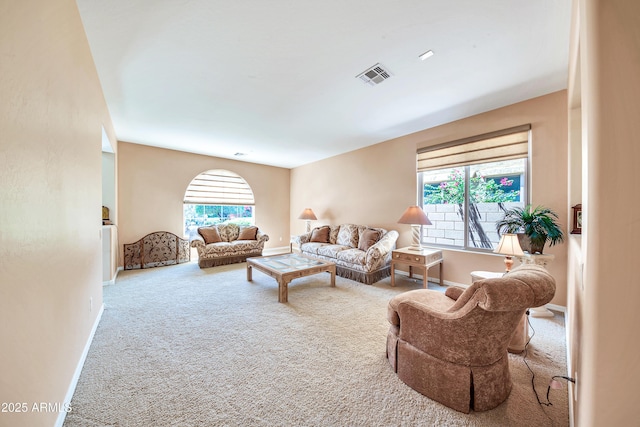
(452, 347)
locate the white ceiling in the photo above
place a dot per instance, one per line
(276, 79)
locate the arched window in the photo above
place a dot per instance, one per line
(217, 196)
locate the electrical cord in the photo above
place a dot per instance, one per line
(553, 381)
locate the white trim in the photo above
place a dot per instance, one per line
(572, 397)
(113, 280)
(432, 279)
(76, 375)
(556, 307)
(277, 251)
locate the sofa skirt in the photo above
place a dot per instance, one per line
(367, 278)
(212, 262)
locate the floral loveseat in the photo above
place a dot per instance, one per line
(227, 244)
(360, 253)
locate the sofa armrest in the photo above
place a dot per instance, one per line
(198, 243)
(302, 238)
(378, 254)
(261, 237)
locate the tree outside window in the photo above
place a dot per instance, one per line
(486, 189)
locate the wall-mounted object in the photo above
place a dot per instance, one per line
(577, 219)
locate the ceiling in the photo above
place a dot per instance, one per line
(274, 82)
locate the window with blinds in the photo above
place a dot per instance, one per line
(465, 184)
(217, 196)
(219, 187)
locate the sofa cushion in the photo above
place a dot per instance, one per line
(320, 234)
(331, 251)
(348, 235)
(352, 256)
(368, 238)
(209, 234)
(312, 247)
(248, 233)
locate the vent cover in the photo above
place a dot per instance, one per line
(374, 75)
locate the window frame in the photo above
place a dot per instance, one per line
(524, 197)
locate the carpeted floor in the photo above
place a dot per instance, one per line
(181, 346)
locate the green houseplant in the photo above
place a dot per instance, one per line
(537, 225)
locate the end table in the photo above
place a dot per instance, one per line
(423, 258)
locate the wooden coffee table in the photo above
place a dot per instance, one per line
(285, 268)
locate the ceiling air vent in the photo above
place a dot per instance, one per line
(374, 75)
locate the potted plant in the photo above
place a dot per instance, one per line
(534, 227)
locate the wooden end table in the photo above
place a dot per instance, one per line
(423, 258)
(285, 268)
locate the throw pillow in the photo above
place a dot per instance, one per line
(348, 235)
(248, 233)
(320, 234)
(368, 238)
(209, 234)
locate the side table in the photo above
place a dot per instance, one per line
(423, 258)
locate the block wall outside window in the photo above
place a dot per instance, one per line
(448, 225)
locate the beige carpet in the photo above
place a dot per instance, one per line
(181, 346)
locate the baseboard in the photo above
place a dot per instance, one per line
(556, 307)
(76, 375)
(276, 251)
(113, 280)
(570, 369)
(433, 280)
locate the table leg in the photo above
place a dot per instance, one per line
(425, 277)
(393, 274)
(249, 269)
(441, 279)
(333, 277)
(283, 292)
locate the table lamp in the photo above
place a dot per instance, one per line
(416, 217)
(308, 216)
(510, 247)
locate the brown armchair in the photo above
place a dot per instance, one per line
(452, 347)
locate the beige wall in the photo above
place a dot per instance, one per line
(375, 185)
(604, 343)
(152, 182)
(51, 116)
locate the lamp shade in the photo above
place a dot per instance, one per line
(509, 245)
(308, 215)
(414, 215)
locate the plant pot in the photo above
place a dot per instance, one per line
(528, 246)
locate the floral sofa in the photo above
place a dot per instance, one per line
(227, 244)
(360, 253)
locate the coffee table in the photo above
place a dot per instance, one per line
(285, 268)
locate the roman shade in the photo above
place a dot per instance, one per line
(219, 187)
(507, 144)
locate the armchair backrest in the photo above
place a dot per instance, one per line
(525, 286)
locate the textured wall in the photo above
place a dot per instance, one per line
(51, 116)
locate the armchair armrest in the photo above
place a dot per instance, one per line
(454, 292)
